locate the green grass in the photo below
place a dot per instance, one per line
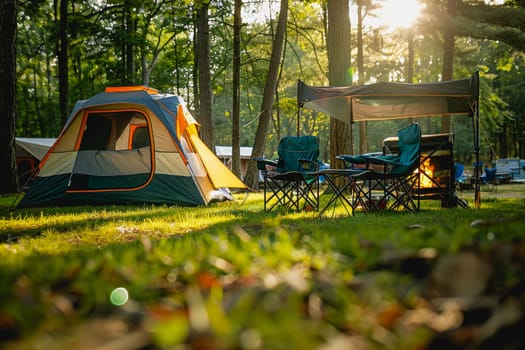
(228, 275)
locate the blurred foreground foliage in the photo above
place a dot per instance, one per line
(230, 276)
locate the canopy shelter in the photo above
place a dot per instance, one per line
(34, 147)
(385, 101)
(29, 152)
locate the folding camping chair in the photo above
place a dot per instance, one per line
(489, 180)
(487, 176)
(395, 185)
(289, 182)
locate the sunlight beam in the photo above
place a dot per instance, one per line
(395, 14)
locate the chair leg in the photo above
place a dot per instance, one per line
(402, 191)
(291, 193)
(278, 195)
(282, 194)
(264, 193)
(338, 193)
(377, 185)
(309, 192)
(361, 194)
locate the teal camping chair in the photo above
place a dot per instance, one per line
(289, 182)
(393, 181)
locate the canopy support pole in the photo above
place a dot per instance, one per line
(298, 119)
(477, 190)
(476, 121)
(299, 105)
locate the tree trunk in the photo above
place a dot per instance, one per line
(339, 64)
(128, 48)
(8, 23)
(448, 59)
(268, 96)
(236, 139)
(363, 138)
(205, 91)
(195, 70)
(503, 139)
(63, 67)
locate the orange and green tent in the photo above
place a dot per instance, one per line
(129, 145)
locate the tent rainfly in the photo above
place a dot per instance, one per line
(383, 101)
(129, 145)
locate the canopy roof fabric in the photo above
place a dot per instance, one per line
(37, 147)
(383, 101)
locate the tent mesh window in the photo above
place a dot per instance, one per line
(114, 152)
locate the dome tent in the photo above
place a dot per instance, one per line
(129, 145)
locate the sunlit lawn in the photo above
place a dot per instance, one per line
(231, 276)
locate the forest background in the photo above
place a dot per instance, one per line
(70, 50)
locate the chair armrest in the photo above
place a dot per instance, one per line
(354, 162)
(262, 163)
(383, 160)
(391, 164)
(367, 161)
(359, 159)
